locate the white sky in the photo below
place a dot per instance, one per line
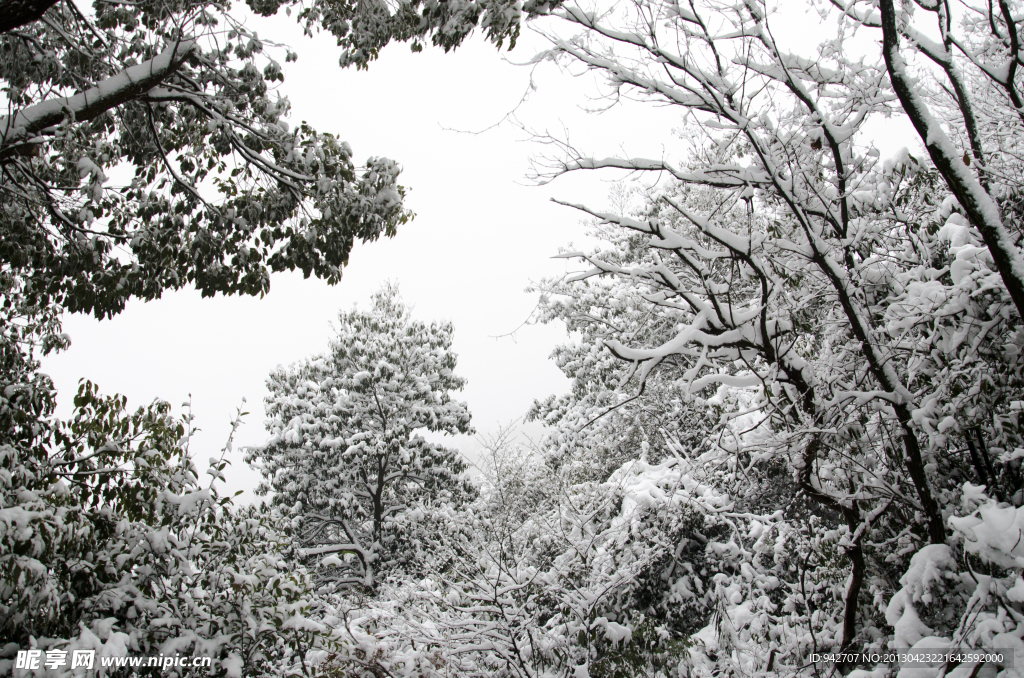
(482, 233)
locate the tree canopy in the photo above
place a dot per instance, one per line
(850, 320)
(145, 148)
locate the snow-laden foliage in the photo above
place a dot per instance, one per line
(598, 425)
(346, 454)
(110, 541)
(362, 29)
(144, 149)
(966, 593)
(785, 447)
(651, 572)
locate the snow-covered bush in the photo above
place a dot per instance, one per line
(652, 572)
(109, 541)
(967, 594)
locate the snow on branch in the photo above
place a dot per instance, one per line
(26, 124)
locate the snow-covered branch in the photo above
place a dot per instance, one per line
(26, 124)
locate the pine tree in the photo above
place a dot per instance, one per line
(346, 452)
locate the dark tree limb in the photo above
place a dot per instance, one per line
(854, 551)
(979, 468)
(17, 13)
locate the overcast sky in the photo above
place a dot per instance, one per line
(483, 232)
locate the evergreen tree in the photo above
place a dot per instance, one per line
(346, 452)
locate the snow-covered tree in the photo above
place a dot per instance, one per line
(346, 452)
(866, 308)
(599, 425)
